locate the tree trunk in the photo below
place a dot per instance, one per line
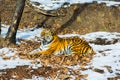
(11, 34)
(0, 23)
(1, 10)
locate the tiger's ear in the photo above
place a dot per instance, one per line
(45, 30)
(50, 31)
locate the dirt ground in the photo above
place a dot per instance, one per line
(79, 18)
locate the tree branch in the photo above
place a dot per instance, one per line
(0, 23)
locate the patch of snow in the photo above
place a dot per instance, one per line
(110, 3)
(106, 47)
(29, 33)
(4, 29)
(68, 35)
(13, 62)
(103, 35)
(94, 75)
(55, 4)
(6, 52)
(38, 78)
(106, 58)
(23, 34)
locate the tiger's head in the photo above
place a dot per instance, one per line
(46, 36)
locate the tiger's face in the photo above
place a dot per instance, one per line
(46, 36)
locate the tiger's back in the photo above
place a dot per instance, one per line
(73, 45)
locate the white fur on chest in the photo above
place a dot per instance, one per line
(44, 47)
(41, 48)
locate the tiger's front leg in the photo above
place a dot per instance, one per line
(37, 54)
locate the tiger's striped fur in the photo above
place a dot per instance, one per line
(53, 44)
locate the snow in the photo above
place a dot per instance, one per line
(110, 55)
(23, 34)
(103, 35)
(38, 78)
(7, 63)
(13, 61)
(111, 58)
(55, 4)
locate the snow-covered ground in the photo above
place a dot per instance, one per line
(102, 60)
(55, 4)
(107, 56)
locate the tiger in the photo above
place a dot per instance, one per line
(53, 44)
